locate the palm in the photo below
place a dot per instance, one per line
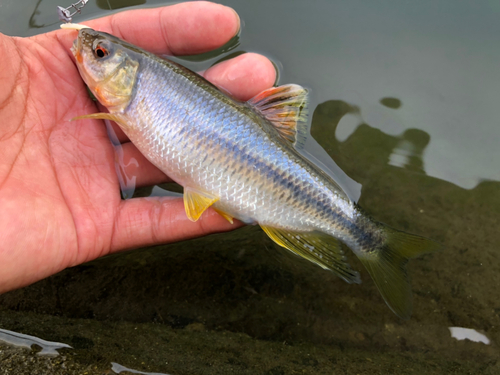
(59, 193)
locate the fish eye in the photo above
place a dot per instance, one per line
(102, 50)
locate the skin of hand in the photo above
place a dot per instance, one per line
(60, 200)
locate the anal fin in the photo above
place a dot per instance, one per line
(224, 215)
(316, 247)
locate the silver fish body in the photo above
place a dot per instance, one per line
(237, 156)
(204, 139)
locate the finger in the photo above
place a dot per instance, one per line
(187, 28)
(134, 164)
(244, 76)
(155, 220)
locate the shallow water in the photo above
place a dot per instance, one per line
(425, 78)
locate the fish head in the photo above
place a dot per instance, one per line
(108, 67)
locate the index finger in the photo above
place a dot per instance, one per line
(180, 29)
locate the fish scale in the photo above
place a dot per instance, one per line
(242, 158)
(182, 155)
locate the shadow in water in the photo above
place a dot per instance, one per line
(36, 12)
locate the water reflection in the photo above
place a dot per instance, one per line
(117, 4)
(233, 43)
(32, 20)
(409, 151)
(404, 151)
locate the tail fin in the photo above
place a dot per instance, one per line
(387, 267)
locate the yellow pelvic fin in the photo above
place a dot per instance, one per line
(224, 215)
(286, 108)
(196, 202)
(316, 247)
(103, 116)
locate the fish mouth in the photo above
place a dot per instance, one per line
(76, 49)
(77, 46)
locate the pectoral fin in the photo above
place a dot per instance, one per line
(196, 202)
(104, 116)
(98, 116)
(316, 247)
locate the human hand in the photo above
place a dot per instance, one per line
(60, 200)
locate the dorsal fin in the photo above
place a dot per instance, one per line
(286, 107)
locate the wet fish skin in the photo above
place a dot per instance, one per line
(238, 158)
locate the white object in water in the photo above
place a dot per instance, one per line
(468, 334)
(119, 368)
(49, 348)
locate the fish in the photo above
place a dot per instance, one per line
(243, 159)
